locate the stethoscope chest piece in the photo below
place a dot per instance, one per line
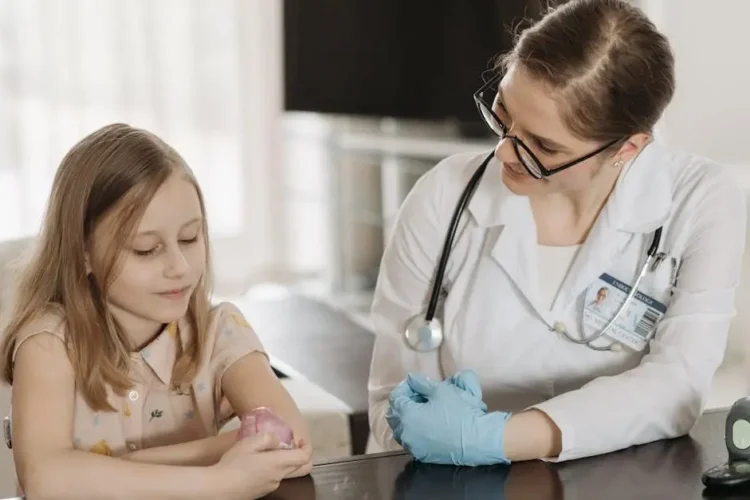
(422, 335)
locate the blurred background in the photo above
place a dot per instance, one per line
(307, 122)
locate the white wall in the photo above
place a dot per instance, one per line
(710, 113)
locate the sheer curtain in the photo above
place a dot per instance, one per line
(204, 75)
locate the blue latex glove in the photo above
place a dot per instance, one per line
(446, 422)
(469, 382)
(464, 379)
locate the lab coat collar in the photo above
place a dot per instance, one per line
(642, 198)
(493, 203)
(511, 229)
(639, 203)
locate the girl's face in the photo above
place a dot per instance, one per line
(161, 266)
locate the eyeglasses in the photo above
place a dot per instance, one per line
(530, 162)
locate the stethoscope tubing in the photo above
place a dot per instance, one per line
(430, 322)
(463, 202)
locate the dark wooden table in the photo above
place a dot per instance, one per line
(665, 470)
(310, 339)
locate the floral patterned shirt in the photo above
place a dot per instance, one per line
(153, 412)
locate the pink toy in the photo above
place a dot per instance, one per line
(262, 419)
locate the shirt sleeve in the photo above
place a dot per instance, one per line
(402, 291)
(663, 396)
(234, 339)
(49, 323)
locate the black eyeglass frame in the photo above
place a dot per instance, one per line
(518, 143)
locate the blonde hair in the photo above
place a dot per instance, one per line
(114, 173)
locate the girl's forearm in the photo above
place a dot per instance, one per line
(200, 452)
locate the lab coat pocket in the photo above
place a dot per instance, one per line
(627, 316)
(659, 284)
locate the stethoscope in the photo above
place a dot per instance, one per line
(424, 333)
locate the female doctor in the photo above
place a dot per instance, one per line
(514, 364)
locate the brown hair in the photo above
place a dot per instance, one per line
(611, 71)
(114, 172)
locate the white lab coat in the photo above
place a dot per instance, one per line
(494, 322)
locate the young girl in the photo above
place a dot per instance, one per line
(122, 373)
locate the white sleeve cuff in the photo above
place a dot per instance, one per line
(556, 414)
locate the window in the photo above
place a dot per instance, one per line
(204, 76)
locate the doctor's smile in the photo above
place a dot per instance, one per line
(515, 170)
(523, 308)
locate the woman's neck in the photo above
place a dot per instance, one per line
(566, 218)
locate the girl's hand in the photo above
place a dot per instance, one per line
(255, 466)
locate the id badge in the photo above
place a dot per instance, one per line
(637, 323)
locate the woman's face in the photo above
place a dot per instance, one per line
(527, 108)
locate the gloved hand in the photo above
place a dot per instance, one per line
(446, 422)
(463, 379)
(469, 382)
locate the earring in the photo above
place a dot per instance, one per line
(618, 164)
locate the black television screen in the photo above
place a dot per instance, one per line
(409, 59)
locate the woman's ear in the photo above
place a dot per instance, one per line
(632, 147)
